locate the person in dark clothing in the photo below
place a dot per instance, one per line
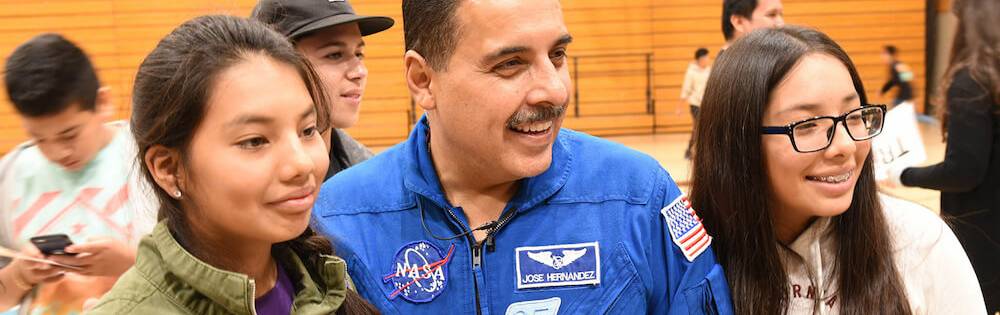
(900, 76)
(969, 176)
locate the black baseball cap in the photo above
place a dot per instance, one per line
(295, 18)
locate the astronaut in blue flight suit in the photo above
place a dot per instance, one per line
(489, 207)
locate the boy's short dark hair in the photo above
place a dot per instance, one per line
(742, 8)
(701, 52)
(47, 74)
(891, 50)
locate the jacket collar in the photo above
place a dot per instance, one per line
(161, 253)
(421, 178)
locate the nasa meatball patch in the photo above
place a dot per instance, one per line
(558, 265)
(419, 272)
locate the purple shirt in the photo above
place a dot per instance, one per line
(279, 299)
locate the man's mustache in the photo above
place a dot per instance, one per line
(531, 114)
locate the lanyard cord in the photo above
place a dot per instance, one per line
(491, 227)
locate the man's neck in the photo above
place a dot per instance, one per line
(481, 196)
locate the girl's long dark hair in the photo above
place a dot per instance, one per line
(171, 90)
(730, 186)
(976, 48)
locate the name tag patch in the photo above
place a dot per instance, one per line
(419, 272)
(535, 307)
(558, 265)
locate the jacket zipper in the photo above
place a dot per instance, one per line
(477, 249)
(476, 258)
(477, 262)
(477, 254)
(253, 294)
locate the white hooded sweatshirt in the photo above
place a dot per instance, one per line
(934, 268)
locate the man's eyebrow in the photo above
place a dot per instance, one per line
(504, 51)
(565, 39)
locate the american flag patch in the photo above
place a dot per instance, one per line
(685, 228)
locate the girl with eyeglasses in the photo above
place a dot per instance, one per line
(783, 176)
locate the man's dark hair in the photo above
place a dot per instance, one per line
(47, 74)
(742, 8)
(430, 29)
(891, 50)
(701, 52)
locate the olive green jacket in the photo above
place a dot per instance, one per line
(167, 279)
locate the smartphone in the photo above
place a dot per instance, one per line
(52, 244)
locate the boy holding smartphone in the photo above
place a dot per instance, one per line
(75, 177)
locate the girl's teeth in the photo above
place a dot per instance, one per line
(831, 179)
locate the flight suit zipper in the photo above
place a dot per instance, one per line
(477, 248)
(476, 258)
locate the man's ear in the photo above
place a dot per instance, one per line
(419, 76)
(165, 166)
(104, 103)
(741, 25)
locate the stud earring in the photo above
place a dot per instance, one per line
(177, 194)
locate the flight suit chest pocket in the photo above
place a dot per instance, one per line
(620, 290)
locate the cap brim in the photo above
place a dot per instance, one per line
(367, 24)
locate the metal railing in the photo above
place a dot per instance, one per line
(647, 71)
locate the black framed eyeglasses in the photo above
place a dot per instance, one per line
(816, 134)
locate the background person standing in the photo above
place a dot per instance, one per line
(969, 176)
(694, 88)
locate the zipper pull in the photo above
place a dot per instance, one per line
(477, 257)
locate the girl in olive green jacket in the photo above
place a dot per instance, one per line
(229, 122)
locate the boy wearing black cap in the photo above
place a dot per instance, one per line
(329, 33)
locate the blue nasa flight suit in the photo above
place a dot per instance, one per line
(593, 234)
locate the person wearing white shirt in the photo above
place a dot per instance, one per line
(694, 88)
